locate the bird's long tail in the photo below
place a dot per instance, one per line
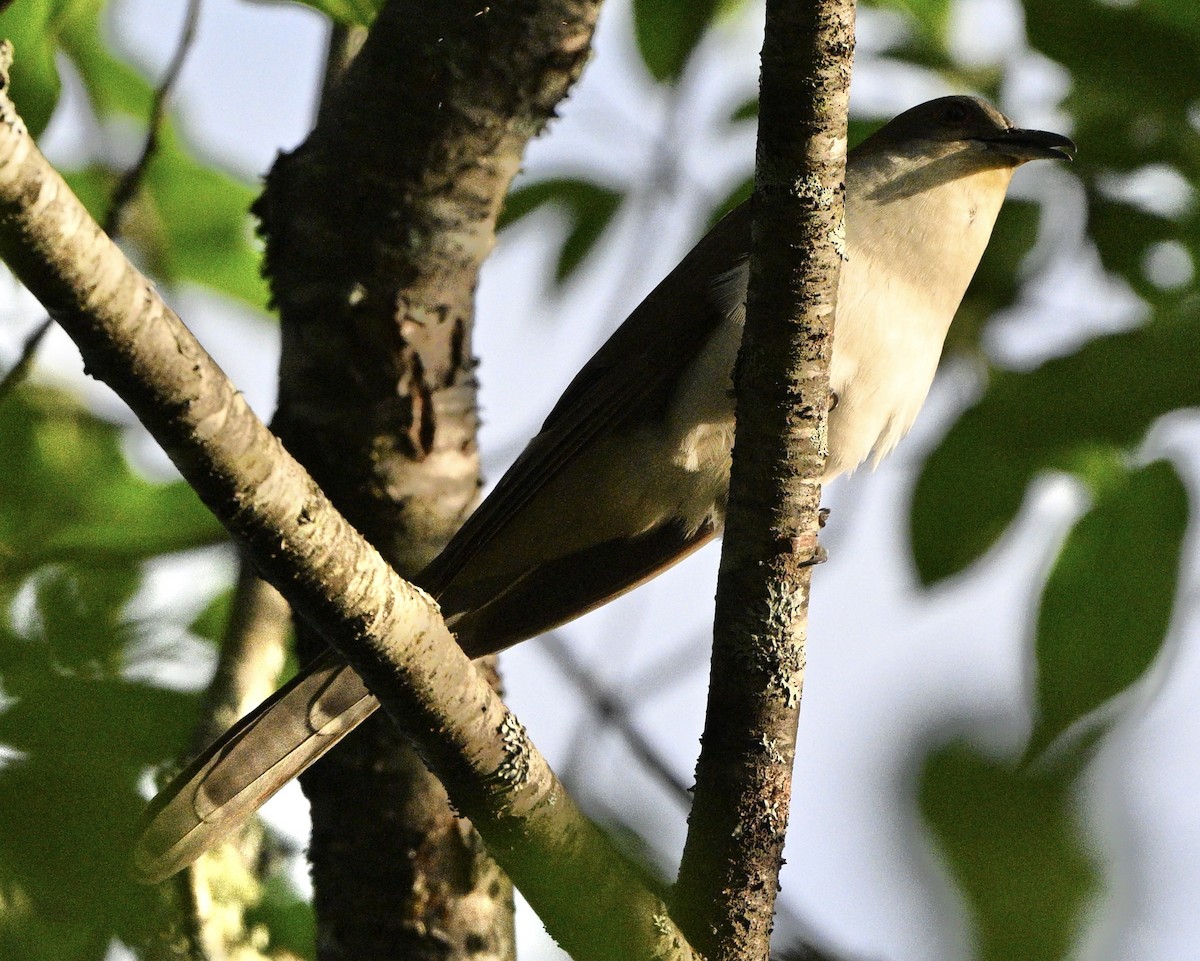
(253, 760)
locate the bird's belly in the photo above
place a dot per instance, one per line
(885, 356)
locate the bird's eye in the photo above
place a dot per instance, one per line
(954, 114)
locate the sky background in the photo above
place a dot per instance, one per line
(890, 667)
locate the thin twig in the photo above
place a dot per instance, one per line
(132, 179)
(614, 710)
(20, 370)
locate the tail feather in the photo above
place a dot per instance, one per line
(254, 759)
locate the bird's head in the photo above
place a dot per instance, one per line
(958, 142)
(952, 124)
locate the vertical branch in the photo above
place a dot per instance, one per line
(729, 874)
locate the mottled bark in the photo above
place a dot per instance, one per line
(376, 227)
(596, 904)
(728, 878)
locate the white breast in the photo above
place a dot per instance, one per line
(910, 257)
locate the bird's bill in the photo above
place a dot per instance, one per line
(1022, 145)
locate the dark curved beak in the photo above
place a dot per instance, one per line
(1022, 145)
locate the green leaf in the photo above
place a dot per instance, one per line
(1143, 54)
(931, 18)
(1133, 75)
(32, 27)
(1124, 235)
(589, 206)
(1107, 604)
(1011, 842)
(75, 796)
(350, 12)
(1179, 15)
(668, 31)
(189, 222)
(93, 185)
(113, 86)
(86, 735)
(1127, 121)
(746, 110)
(201, 216)
(1103, 397)
(39, 31)
(72, 496)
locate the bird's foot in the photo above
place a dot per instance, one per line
(806, 549)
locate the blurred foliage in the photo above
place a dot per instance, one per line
(1008, 831)
(1097, 634)
(190, 222)
(77, 523)
(1102, 398)
(288, 917)
(80, 502)
(347, 12)
(1015, 849)
(76, 527)
(589, 208)
(668, 32)
(79, 727)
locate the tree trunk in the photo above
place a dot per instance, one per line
(376, 228)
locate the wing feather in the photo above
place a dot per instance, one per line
(249, 763)
(631, 377)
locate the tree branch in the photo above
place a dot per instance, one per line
(389, 629)
(729, 874)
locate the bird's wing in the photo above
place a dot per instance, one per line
(631, 377)
(564, 588)
(255, 758)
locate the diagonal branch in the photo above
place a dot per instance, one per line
(593, 901)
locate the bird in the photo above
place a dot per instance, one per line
(630, 471)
